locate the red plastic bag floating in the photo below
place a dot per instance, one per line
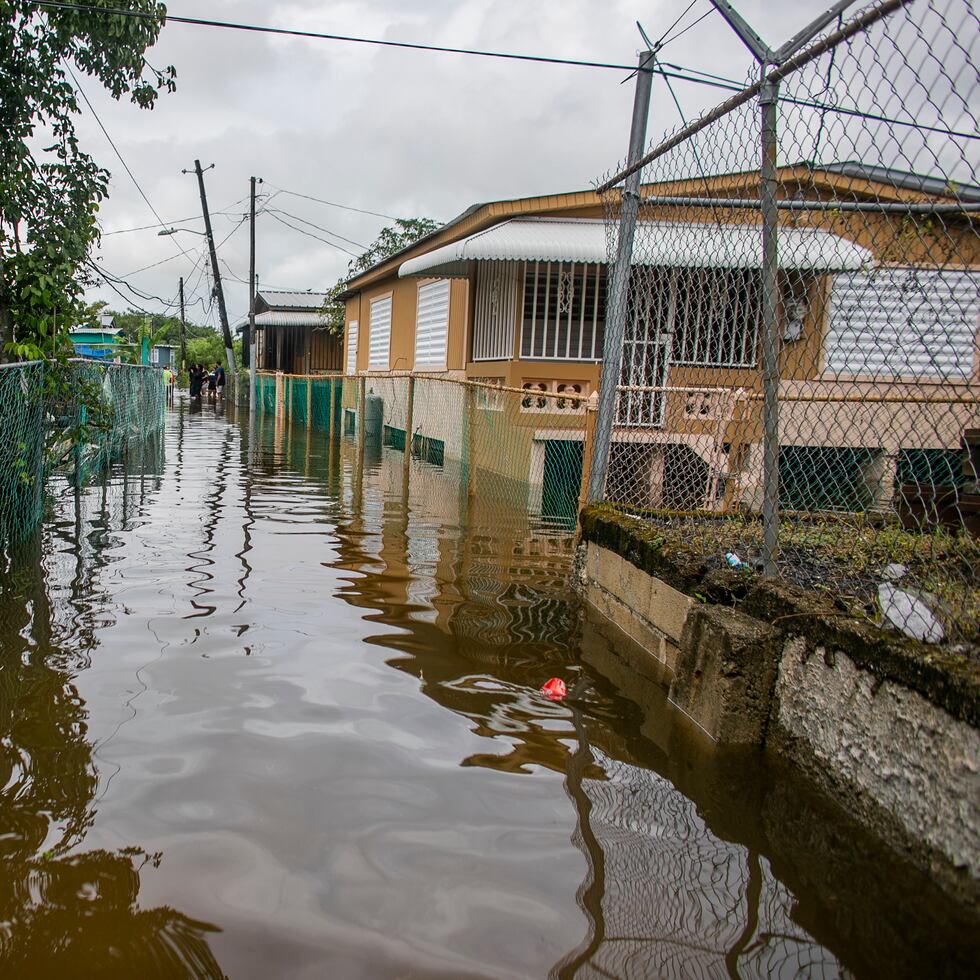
(554, 689)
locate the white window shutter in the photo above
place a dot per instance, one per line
(432, 324)
(379, 332)
(352, 347)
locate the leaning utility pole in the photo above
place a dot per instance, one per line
(252, 366)
(612, 354)
(222, 312)
(183, 329)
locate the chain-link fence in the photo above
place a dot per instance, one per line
(799, 375)
(78, 416)
(519, 451)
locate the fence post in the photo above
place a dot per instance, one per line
(409, 421)
(770, 329)
(279, 395)
(361, 397)
(470, 440)
(612, 354)
(588, 438)
(330, 408)
(309, 400)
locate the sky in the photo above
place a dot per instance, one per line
(397, 132)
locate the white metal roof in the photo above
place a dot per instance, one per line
(289, 318)
(663, 243)
(105, 331)
(281, 299)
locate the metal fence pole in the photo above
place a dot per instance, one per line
(770, 329)
(612, 354)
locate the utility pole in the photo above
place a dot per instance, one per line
(183, 329)
(252, 366)
(612, 354)
(222, 312)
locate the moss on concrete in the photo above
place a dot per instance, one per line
(948, 679)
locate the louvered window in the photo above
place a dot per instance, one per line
(904, 322)
(564, 311)
(352, 347)
(432, 324)
(379, 331)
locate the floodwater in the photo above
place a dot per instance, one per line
(265, 713)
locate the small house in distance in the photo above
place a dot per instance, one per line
(291, 334)
(102, 342)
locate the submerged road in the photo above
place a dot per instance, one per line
(266, 713)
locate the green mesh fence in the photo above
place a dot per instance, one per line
(323, 399)
(21, 446)
(79, 417)
(298, 389)
(266, 393)
(504, 451)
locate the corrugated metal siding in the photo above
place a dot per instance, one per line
(432, 324)
(909, 322)
(496, 302)
(352, 347)
(379, 333)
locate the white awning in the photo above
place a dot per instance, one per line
(660, 243)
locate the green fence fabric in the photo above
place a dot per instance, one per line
(323, 397)
(80, 416)
(297, 388)
(21, 447)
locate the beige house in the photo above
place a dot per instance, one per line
(878, 312)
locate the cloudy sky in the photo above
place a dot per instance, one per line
(392, 131)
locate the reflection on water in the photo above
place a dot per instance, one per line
(258, 682)
(66, 910)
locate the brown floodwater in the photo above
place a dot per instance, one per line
(268, 713)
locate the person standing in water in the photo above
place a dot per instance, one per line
(219, 379)
(196, 380)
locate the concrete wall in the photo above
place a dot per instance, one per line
(885, 727)
(881, 745)
(646, 609)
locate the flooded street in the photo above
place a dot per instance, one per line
(267, 714)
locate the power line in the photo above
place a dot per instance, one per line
(378, 42)
(334, 204)
(694, 23)
(115, 149)
(175, 221)
(309, 234)
(661, 42)
(350, 241)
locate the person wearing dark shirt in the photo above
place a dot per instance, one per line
(196, 380)
(219, 379)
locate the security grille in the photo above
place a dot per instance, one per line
(564, 311)
(714, 316)
(496, 301)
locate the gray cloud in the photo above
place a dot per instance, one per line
(401, 132)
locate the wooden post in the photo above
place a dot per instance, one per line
(409, 421)
(470, 440)
(361, 397)
(591, 408)
(309, 400)
(280, 395)
(331, 410)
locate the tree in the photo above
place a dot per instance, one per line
(50, 189)
(404, 232)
